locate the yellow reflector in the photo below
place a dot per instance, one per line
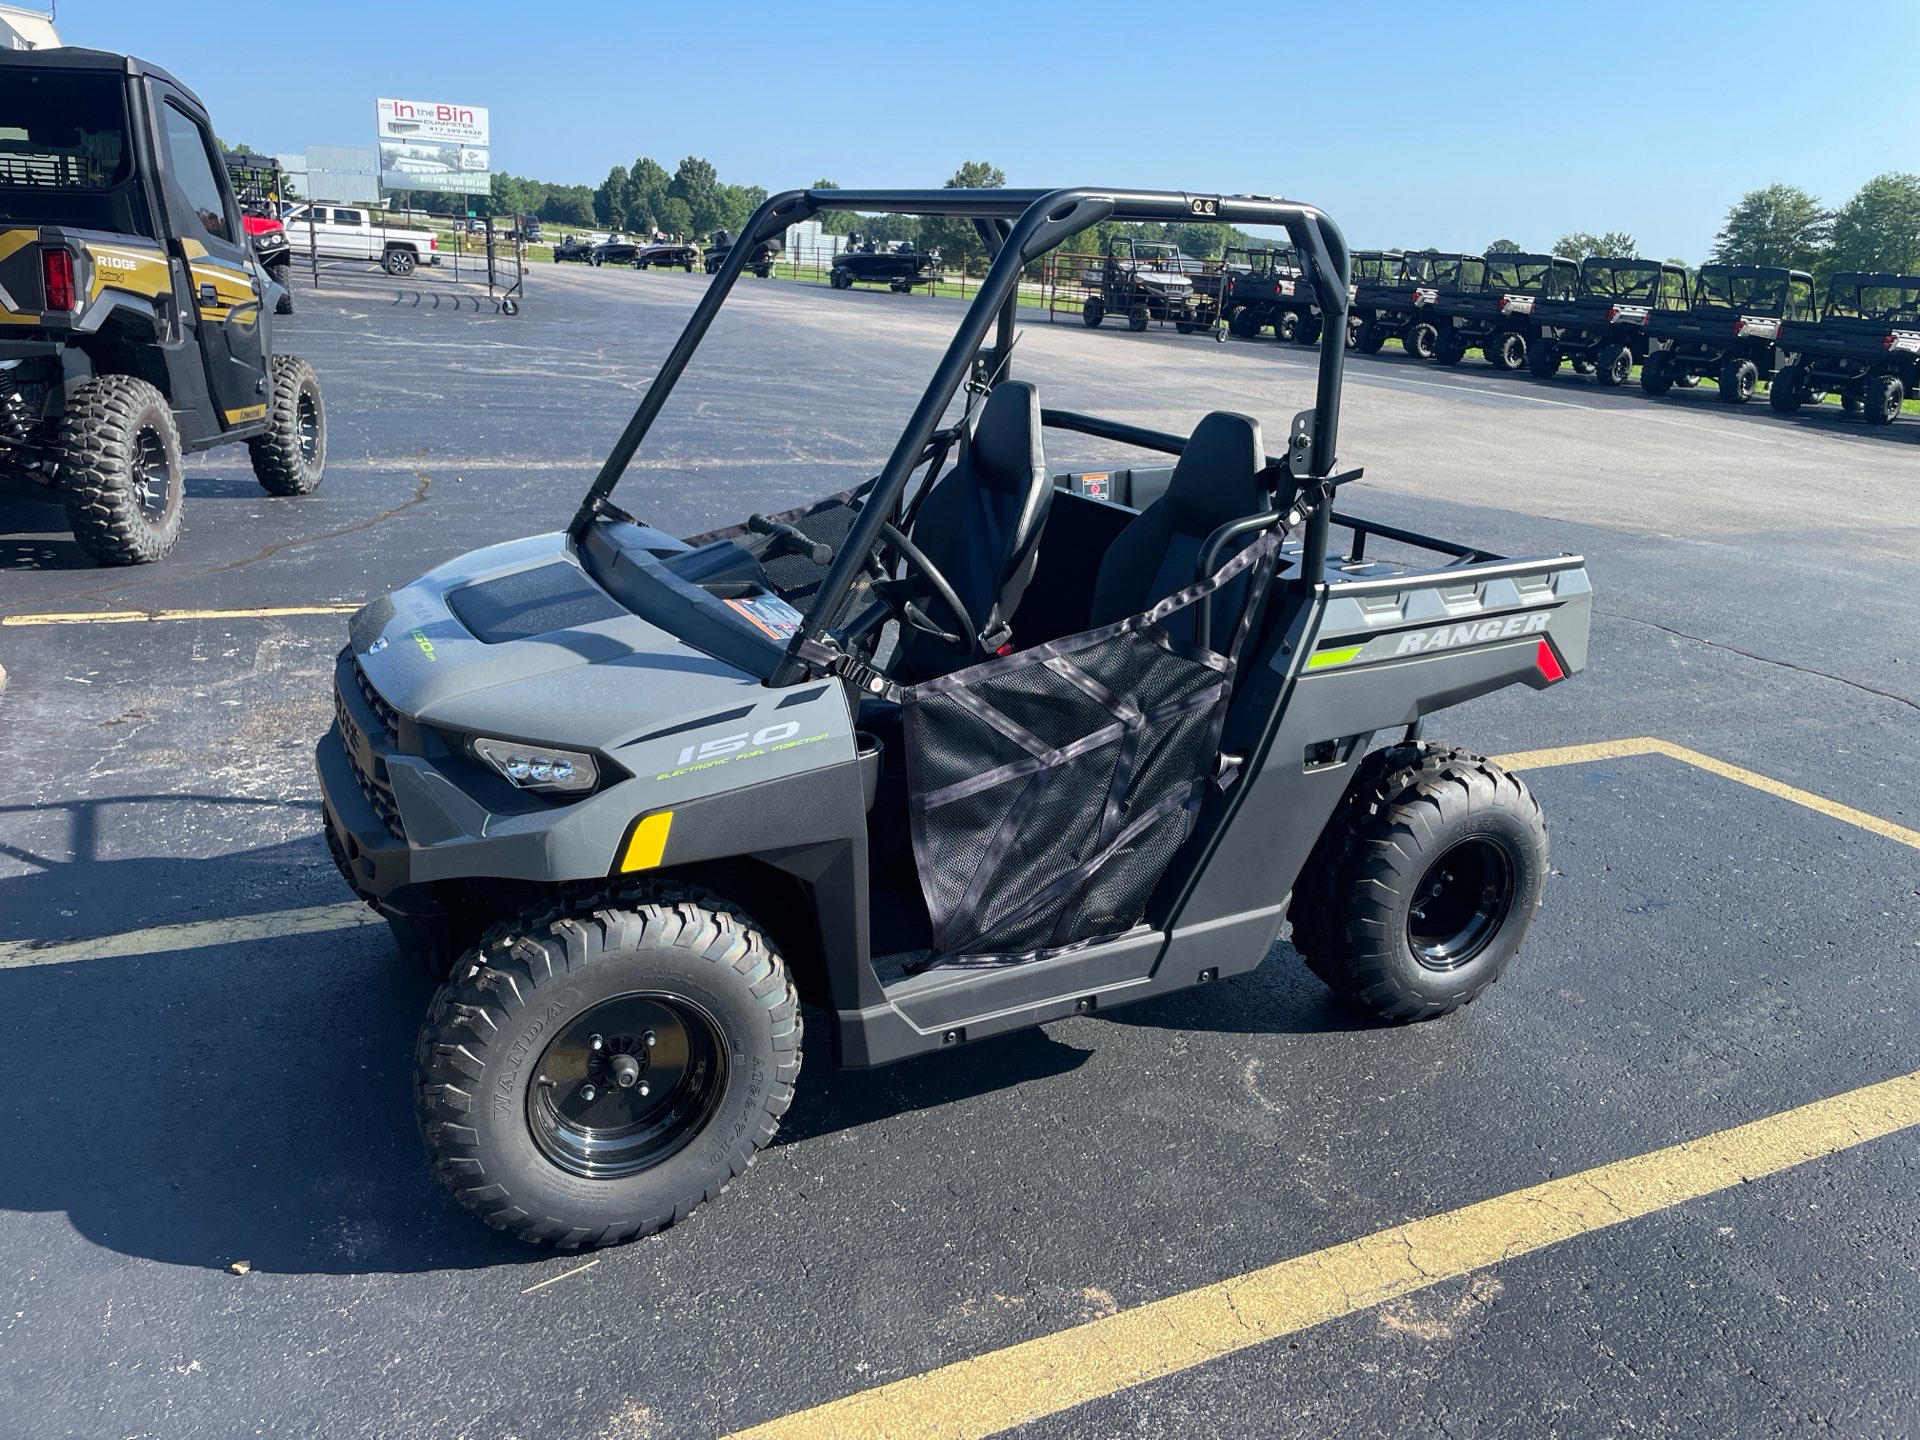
(1332, 657)
(649, 843)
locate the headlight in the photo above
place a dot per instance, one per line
(539, 767)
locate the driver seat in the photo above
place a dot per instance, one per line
(980, 526)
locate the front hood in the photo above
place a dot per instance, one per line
(594, 685)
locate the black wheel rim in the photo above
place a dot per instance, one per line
(1460, 903)
(307, 426)
(627, 1085)
(152, 476)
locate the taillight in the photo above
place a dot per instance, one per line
(57, 266)
(1549, 663)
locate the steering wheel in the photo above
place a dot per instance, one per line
(911, 614)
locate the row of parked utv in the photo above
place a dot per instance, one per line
(1737, 325)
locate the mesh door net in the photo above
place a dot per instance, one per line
(1049, 789)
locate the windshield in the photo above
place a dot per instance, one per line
(1378, 269)
(1465, 272)
(1633, 280)
(1890, 297)
(1718, 290)
(64, 151)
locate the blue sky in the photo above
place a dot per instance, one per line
(1445, 125)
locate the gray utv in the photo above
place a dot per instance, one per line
(939, 760)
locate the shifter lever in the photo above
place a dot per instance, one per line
(786, 540)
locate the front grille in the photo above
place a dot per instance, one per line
(373, 782)
(376, 702)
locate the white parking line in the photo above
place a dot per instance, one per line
(193, 935)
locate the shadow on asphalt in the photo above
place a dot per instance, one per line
(1282, 997)
(237, 1102)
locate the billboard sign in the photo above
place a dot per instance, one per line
(425, 145)
(431, 122)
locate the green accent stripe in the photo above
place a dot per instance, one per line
(1333, 657)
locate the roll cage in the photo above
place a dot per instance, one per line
(1017, 227)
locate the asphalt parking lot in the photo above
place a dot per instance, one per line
(1713, 953)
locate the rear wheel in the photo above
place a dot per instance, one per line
(1244, 323)
(1738, 380)
(1420, 340)
(1092, 313)
(1615, 365)
(1286, 325)
(1424, 883)
(1654, 378)
(595, 1072)
(1306, 330)
(1507, 351)
(1370, 339)
(1885, 394)
(290, 458)
(1543, 359)
(1137, 317)
(1449, 351)
(399, 261)
(1185, 327)
(1787, 393)
(121, 469)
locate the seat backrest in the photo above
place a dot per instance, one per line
(1217, 480)
(981, 524)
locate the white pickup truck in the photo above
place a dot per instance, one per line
(353, 232)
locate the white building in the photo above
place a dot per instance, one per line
(24, 29)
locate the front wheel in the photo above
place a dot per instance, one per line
(1787, 393)
(1286, 325)
(1137, 318)
(290, 458)
(594, 1073)
(1092, 313)
(1654, 378)
(1506, 351)
(121, 467)
(1885, 395)
(1419, 340)
(1306, 330)
(1738, 380)
(1424, 883)
(1616, 365)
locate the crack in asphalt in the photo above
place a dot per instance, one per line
(419, 495)
(1763, 659)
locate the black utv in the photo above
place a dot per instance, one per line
(1149, 281)
(1604, 328)
(135, 318)
(1383, 286)
(1497, 317)
(1732, 333)
(1864, 349)
(1266, 287)
(950, 753)
(1443, 274)
(897, 264)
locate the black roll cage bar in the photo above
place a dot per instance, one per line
(1018, 227)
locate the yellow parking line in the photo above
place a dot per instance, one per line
(129, 617)
(192, 935)
(1004, 1388)
(1646, 745)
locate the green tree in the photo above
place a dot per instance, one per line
(957, 240)
(1879, 228)
(697, 184)
(1504, 247)
(610, 199)
(1581, 243)
(1780, 225)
